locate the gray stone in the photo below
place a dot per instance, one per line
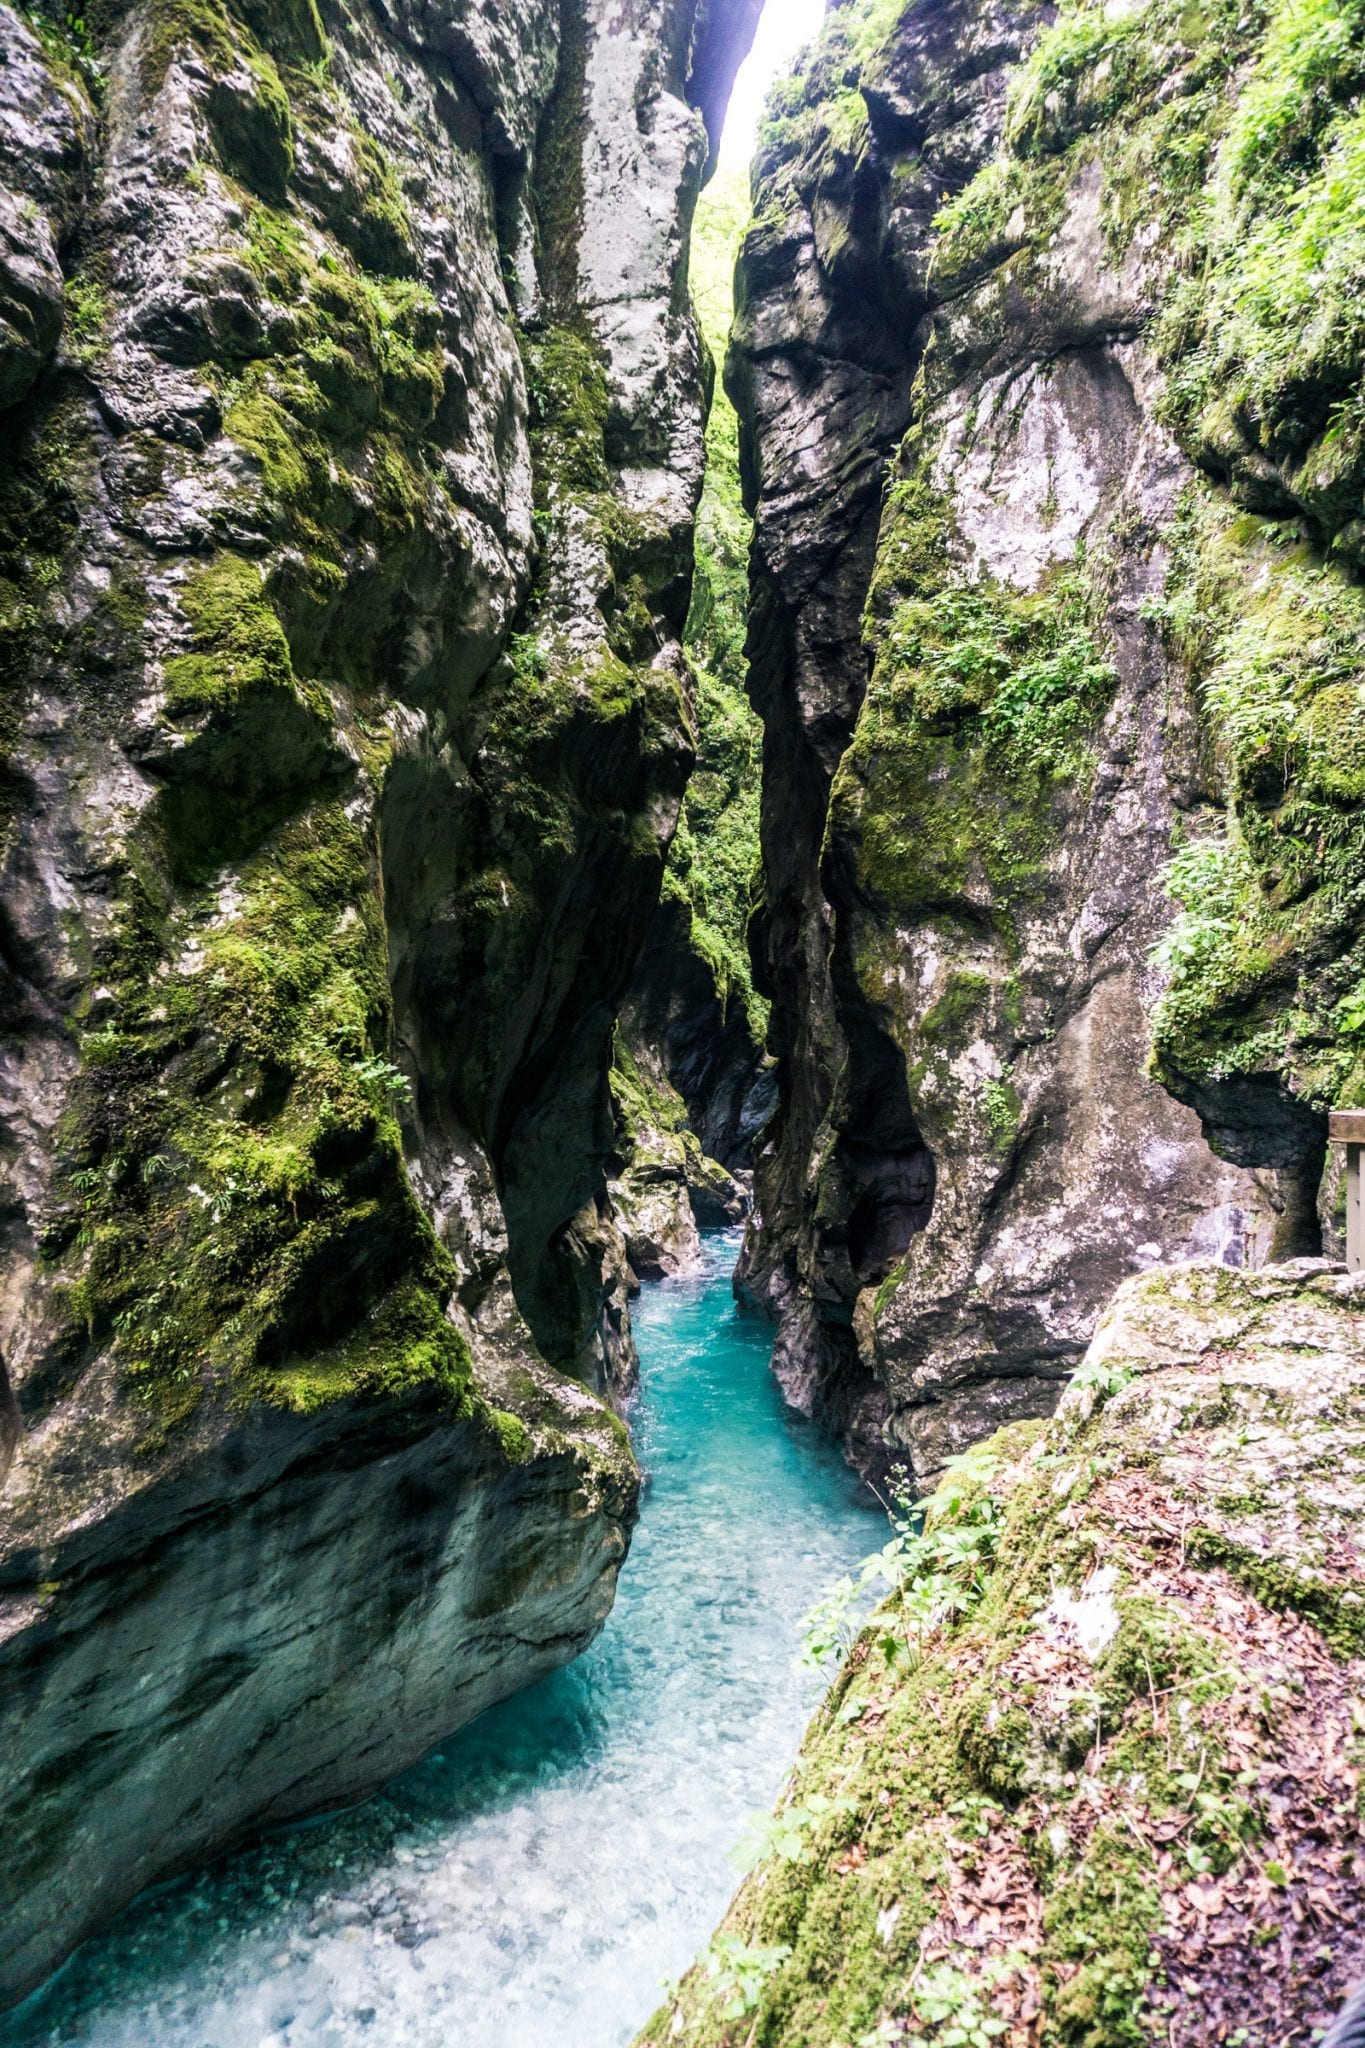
(937, 1265)
(307, 1001)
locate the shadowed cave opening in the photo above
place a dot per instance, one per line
(889, 1171)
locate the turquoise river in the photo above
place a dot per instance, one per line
(535, 1883)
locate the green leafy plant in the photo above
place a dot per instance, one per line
(933, 1569)
(956, 2006)
(64, 31)
(786, 1834)
(976, 1814)
(384, 1075)
(1210, 880)
(1101, 1379)
(1001, 1103)
(1022, 674)
(738, 1973)
(87, 311)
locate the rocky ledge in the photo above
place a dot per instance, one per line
(272, 1616)
(1096, 1782)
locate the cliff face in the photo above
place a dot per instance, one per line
(692, 1083)
(1057, 645)
(1095, 1782)
(350, 447)
(692, 1007)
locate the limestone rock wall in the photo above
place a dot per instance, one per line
(351, 413)
(692, 1004)
(1060, 922)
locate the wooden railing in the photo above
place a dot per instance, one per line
(1347, 1127)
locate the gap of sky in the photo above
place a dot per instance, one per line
(787, 26)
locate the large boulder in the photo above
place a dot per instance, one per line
(1097, 1782)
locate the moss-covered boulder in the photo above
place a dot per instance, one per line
(1093, 1781)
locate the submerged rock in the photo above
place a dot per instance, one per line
(1101, 1788)
(351, 416)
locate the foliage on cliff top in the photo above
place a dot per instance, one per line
(1230, 138)
(1107, 1796)
(816, 114)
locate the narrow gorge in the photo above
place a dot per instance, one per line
(354, 434)
(533, 780)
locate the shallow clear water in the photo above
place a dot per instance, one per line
(534, 1884)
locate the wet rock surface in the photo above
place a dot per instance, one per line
(294, 1613)
(345, 536)
(994, 734)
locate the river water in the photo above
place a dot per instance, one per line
(535, 1883)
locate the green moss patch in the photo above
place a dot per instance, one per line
(1267, 958)
(233, 1214)
(1070, 1790)
(260, 743)
(981, 712)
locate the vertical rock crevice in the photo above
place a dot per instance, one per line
(694, 1087)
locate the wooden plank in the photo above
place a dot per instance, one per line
(1355, 1212)
(1347, 1126)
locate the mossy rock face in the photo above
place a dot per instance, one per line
(667, 1188)
(344, 724)
(290, 29)
(254, 128)
(1072, 738)
(229, 1197)
(383, 499)
(1266, 953)
(693, 996)
(1080, 1799)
